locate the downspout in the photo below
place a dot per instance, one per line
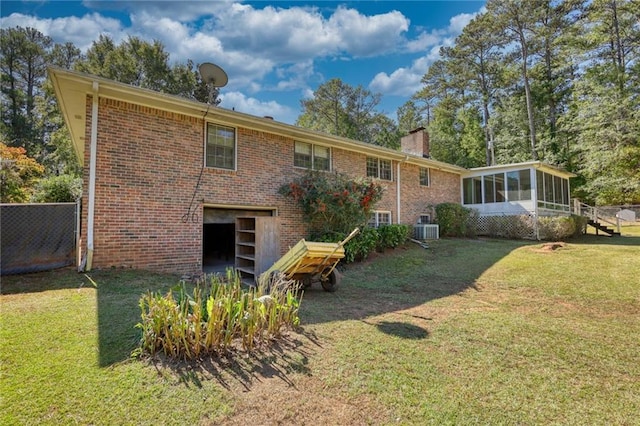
(536, 208)
(92, 176)
(398, 188)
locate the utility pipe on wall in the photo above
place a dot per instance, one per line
(398, 189)
(92, 175)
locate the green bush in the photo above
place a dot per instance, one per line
(359, 247)
(58, 189)
(391, 236)
(560, 227)
(453, 220)
(185, 325)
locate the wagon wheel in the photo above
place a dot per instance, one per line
(331, 282)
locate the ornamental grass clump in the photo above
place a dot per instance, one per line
(213, 319)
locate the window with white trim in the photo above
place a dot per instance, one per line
(518, 185)
(379, 218)
(379, 168)
(424, 219)
(425, 177)
(552, 191)
(311, 156)
(221, 147)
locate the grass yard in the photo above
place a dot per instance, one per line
(465, 332)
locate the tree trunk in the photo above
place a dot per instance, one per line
(527, 93)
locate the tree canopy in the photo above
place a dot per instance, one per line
(552, 80)
(31, 120)
(340, 109)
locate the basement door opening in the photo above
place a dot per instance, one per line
(219, 236)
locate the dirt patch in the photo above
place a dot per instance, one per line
(304, 401)
(550, 247)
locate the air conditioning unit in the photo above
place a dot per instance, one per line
(426, 232)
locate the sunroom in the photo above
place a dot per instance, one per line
(528, 191)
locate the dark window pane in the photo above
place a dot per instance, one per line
(220, 147)
(489, 190)
(540, 185)
(302, 155)
(525, 185)
(467, 191)
(513, 186)
(321, 158)
(372, 167)
(548, 188)
(424, 176)
(499, 183)
(385, 169)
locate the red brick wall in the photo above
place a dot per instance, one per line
(417, 199)
(148, 166)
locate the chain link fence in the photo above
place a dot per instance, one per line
(37, 237)
(612, 211)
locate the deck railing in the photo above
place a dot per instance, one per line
(593, 213)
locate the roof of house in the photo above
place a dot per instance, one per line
(538, 165)
(72, 88)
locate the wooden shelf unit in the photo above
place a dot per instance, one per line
(257, 245)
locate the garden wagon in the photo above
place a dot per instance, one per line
(309, 262)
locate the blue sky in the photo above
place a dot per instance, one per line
(274, 52)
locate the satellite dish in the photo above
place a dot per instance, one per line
(213, 74)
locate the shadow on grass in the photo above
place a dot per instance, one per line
(276, 360)
(404, 278)
(58, 279)
(403, 330)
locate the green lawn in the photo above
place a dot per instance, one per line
(464, 332)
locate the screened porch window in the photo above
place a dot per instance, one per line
(519, 185)
(494, 188)
(552, 191)
(472, 190)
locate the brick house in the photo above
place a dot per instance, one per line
(165, 177)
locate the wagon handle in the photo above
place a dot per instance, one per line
(340, 244)
(346, 240)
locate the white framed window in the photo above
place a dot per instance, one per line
(424, 219)
(310, 156)
(379, 168)
(518, 185)
(425, 178)
(221, 147)
(472, 190)
(379, 218)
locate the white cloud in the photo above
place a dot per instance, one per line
(458, 22)
(183, 11)
(405, 81)
(425, 41)
(240, 102)
(362, 35)
(79, 31)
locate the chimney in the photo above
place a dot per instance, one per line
(416, 143)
